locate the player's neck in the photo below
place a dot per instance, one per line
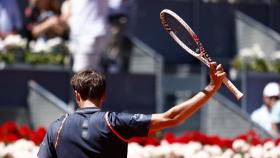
(88, 103)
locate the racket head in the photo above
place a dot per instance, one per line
(183, 35)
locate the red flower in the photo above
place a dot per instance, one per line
(277, 141)
(38, 136)
(152, 141)
(197, 136)
(9, 138)
(170, 137)
(25, 132)
(242, 136)
(225, 143)
(8, 127)
(185, 138)
(145, 141)
(10, 133)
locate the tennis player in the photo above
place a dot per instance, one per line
(92, 133)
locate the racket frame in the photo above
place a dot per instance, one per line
(201, 54)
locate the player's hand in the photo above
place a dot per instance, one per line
(217, 75)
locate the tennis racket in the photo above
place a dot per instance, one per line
(182, 33)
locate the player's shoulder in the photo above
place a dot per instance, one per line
(60, 119)
(55, 124)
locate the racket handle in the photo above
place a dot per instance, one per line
(232, 88)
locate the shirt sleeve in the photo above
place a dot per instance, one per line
(130, 125)
(46, 148)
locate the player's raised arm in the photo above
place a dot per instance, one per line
(181, 112)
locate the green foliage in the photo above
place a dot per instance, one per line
(277, 65)
(44, 58)
(257, 64)
(8, 58)
(58, 56)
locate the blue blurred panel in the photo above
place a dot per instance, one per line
(213, 23)
(14, 88)
(131, 93)
(146, 26)
(125, 92)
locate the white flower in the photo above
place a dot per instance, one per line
(274, 152)
(1, 45)
(251, 53)
(41, 45)
(258, 51)
(202, 154)
(276, 55)
(177, 149)
(134, 150)
(164, 148)
(37, 46)
(195, 146)
(237, 155)
(54, 42)
(246, 53)
(271, 153)
(240, 145)
(213, 150)
(247, 155)
(2, 147)
(228, 153)
(20, 149)
(15, 40)
(268, 145)
(256, 151)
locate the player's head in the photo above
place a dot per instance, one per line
(89, 84)
(271, 93)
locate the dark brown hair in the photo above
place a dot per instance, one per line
(89, 83)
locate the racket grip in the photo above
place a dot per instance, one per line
(232, 88)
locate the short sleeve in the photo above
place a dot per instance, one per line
(46, 148)
(275, 114)
(130, 125)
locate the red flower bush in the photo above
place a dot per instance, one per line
(251, 137)
(10, 132)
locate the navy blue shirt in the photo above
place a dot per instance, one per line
(91, 133)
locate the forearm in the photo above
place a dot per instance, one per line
(182, 111)
(40, 29)
(59, 29)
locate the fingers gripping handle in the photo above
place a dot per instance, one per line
(232, 88)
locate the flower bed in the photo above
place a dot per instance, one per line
(199, 145)
(255, 59)
(22, 142)
(19, 141)
(16, 50)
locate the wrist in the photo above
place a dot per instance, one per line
(210, 89)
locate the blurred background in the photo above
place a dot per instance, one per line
(141, 61)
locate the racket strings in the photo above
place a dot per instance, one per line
(184, 34)
(203, 51)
